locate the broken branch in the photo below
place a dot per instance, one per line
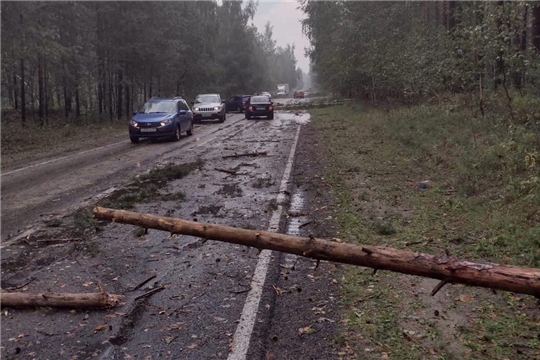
(251, 154)
(509, 278)
(232, 172)
(91, 300)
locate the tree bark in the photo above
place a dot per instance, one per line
(445, 268)
(23, 95)
(119, 107)
(91, 300)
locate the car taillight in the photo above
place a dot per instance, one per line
(243, 102)
(270, 108)
(250, 108)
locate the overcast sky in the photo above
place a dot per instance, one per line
(285, 18)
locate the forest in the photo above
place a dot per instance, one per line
(417, 50)
(91, 61)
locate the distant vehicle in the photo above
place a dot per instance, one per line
(266, 93)
(283, 89)
(281, 93)
(260, 106)
(298, 94)
(161, 118)
(209, 106)
(237, 102)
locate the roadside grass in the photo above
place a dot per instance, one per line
(34, 142)
(436, 175)
(148, 187)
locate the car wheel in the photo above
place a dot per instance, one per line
(177, 133)
(222, 118)
(248, 117)
(271, 117)
(134, 139)
(190, 131)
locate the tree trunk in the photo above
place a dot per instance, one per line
(128, 110)
(119, 95)
(445, 268)
(41, 88)
(15, 92)
(536, 27)
(91, 300)
(23, 95)
(110, 105)
(77, 100)
(46, 93)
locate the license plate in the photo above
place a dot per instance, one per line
(261, 108)
(149, 130)
(206, 115)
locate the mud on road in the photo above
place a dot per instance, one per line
(201, 285)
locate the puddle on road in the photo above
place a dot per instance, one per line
(294, 226)
(299, 117)
(297, 205)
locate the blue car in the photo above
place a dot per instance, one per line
(237, 103)
(161, 118)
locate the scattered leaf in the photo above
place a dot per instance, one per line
(100, 327)
(464, 298)
(170, 339)
(306, 330)
(192, 346)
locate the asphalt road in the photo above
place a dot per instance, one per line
(215, 300)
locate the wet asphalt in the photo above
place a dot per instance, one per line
(201, 285)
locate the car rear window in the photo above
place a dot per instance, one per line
(259, 99)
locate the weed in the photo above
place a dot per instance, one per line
(139, 232)
(83, 222)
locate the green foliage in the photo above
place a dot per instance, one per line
(411, 50)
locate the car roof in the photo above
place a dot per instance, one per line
(165, 99)
(207, 94)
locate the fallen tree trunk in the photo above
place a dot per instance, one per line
(446, 268)
(91, 300)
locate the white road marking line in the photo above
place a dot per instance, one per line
(61, 158)
(242, 336)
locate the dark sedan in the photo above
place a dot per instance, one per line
(259, 106)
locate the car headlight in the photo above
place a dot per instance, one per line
(133, 123)
(166, 122)
(196, 109)
(217, 108)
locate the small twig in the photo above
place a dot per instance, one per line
(144, 282)
(305, 224)
(101, 289)
(18, 287)
(439, 287)
(252, 154)
(228, 171)
(148, 293)
(58, 240)
(413, 243)
(240, 291)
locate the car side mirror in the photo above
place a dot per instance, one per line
(134, 113)
(193, 103)
(182, 112)
(223, 101)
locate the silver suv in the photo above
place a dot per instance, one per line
(209, 106)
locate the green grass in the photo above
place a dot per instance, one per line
(482, 202)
